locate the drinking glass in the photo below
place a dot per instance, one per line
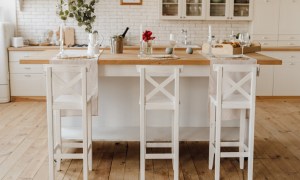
(244, 39)
(172, 42)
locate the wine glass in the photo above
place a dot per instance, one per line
(244, 39)
(172, 42)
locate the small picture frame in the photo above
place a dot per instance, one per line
(131, 2)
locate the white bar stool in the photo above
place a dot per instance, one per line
(241, 96)
(159, 98)
(63, 95)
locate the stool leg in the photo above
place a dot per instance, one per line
(50, 144)
(242, 136)
(142, 143)
(58, 138)
(173, 140)
(218, 143)
(85, 144)
(212, 136)
(90, 141)
(176, 145)
(251, 144)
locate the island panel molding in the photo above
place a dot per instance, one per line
(131, 2)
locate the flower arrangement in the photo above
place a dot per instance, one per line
(147, 36)
(83, 12)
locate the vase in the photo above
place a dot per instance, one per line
(147, 47)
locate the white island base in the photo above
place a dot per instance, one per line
(118, 118)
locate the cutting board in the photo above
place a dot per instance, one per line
(69, 36)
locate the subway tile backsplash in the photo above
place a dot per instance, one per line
(39, 16)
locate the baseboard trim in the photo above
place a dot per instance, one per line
(28, 98)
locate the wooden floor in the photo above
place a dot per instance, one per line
(23, 149)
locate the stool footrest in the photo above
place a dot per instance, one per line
(234, 154)
(68, 156)
(159, 156)
(159, 145)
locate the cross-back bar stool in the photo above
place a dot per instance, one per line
(64, 95)
(235, 94)
(159, 98)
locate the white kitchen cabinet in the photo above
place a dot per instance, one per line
(25, 79)
(286, 76)
(229, 9)
(285, 80)
(289, 22)
(182, 9)
(266, 18)
(264, 82)
(276, 20)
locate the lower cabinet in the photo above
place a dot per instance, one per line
(28, 84)
(264, 82)
(286, 76)
(25, 79)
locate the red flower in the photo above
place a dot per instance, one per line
(147, 36)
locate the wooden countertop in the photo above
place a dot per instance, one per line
(158, 47)
(129, 57)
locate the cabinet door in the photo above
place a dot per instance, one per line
(286, 81)
(266, 17)
(27, 84)
(218, 9)
(241, 9)
(264, 84)
(170, 9)
(194, 9)
(289, 22)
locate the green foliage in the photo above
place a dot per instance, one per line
(80, 10)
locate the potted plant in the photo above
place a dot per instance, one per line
(80, 10)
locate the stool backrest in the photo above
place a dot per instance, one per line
(66, 80)
(236, 80)
(160, 78)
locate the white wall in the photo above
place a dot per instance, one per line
(39, 15)
(8, 10)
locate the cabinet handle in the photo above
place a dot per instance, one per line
(27, 75)
(265, 38)
(267, 1)
(292, 56)
(265, 43)
(291, 63)
(291, 44)
(28, 68)
(292, 37)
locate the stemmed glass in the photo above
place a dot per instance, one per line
(173, 43)
(244, 40)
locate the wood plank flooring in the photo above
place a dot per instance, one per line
(23, 149)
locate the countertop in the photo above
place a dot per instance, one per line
(158, 47)
(130, 57)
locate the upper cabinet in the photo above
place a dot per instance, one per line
(229, 9)
(289, 21)
(182, 9)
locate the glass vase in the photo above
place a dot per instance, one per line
(147, 47)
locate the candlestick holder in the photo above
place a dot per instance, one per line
(61, 49)
(141, 53)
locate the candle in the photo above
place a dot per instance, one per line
(209, 31)
(61, 32)
(141, 32)
(172, 37)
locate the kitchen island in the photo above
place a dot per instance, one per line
(119, 97)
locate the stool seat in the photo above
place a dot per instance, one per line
(70, 102)
(234, 102)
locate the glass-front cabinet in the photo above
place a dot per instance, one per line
(229, 9)
(182, 9)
